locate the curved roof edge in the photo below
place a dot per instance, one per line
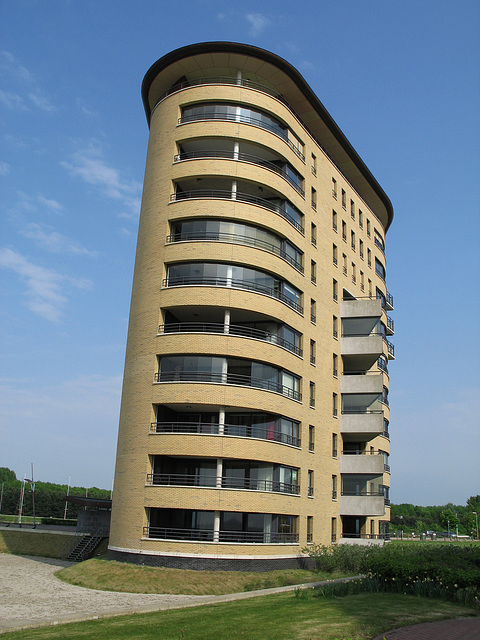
(296, 77)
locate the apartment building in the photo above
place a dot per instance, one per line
(254, 417)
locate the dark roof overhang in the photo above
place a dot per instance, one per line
(321, 125)
(98, 503)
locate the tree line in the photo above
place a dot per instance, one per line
(414, 519)
(49, 497)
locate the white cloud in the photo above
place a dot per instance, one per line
(44, 287)
(258, 23)
(50, 204)
(41, 102)
(13, 101)
(54, 241)
(4, 168)
(28, 93)
(89, 165)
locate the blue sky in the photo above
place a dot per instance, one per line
(401, 80)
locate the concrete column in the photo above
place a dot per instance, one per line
(219, 473)
(216, 526)
(229, 275)
(224, 371)
(221, 421)
(226, 321)
(236, 150)
(234, 189)
(239, 76)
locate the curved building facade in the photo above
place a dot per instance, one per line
(254, 416)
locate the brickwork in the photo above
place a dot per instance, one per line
(137, 445)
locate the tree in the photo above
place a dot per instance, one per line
(7, 476)
(448, 519)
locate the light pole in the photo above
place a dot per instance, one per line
(476, 521)
(66, 502)
(32, 487)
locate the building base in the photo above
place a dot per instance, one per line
(211, 563)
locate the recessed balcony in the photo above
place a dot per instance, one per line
(220, 482)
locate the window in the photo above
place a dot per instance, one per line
(334, 220)
(310, 483)
(335, 255)
(335, 327)
(361, 249)
(334, 188)
(344, 231)
(334, 487)
(369, 258)
(313, 271)
(312, 351)
(344, 263)
(379, 269)
(314, 164)
(334, 529)
(362, 281)
(344, 199)
(379, 241)
(311, 438)
(360, 219)
(309, 529)
(313, 311)
(312, 395)
(314, 199)
(335, 291)
(369, 233)
(314, 234)
(334, 445)
(335, 405)
(354, 273)
(335, 365)
(352, 239)
(352, 209)
(370, 290)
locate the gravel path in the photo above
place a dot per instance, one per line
(31, 595)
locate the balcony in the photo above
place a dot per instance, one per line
(276, 204)
(362, 504)
(232, 283)
(232, 238)
(234, 430)
(361, 382)
(232, 330)
(367, 425)
(209, 535)
(362, 462)
(242, 157)
(224, 482)
(227, 378)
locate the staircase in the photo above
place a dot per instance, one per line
(82, 545)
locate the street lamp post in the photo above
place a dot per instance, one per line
(476, 521)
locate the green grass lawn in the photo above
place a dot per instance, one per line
(277, 617)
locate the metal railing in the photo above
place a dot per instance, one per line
(232, 329)
(255, 537)
(223, 482)
(242, 157)
(227, 378)
(274, 128)
(233, 238)
(226, 194)
(242, 431)
(367, 536)
(232, 283)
